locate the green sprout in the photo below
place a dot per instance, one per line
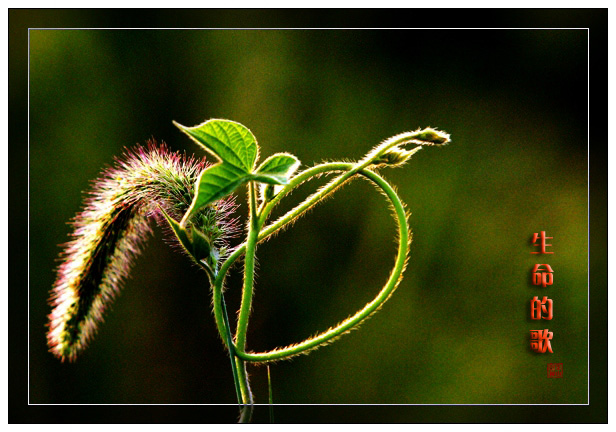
(195, 201)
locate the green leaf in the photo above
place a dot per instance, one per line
(215, 183)
(236, 149)
(229, 141)
(179, 232)
(197, 244)
(277, 169)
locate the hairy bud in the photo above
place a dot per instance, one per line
(390, 151)
(395, 157)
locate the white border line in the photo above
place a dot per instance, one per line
(338, 28)
(306, 28)
(28, 230)
(588, 211)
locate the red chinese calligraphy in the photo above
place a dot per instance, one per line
(541, 277)
(543, 244)
(541, 309)
(540, 341)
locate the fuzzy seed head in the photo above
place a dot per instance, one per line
(110, 231)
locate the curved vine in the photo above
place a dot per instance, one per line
(361, 315)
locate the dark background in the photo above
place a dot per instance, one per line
(455, 332)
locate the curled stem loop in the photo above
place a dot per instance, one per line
(348, 170)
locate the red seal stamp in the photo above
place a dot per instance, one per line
(555, 370)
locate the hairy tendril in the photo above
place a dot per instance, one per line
(353, 321)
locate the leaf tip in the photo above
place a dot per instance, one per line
(179, 126)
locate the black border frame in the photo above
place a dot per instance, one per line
(596, 20)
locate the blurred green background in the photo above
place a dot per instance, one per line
(457, 329)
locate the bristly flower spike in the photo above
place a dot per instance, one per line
(109, 232)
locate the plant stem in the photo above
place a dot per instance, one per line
(270, 395)
(232, 356)
(246, 414)
(243, 381)
(249, 268)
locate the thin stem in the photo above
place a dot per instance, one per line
(249, 268)
(232, 356)
(243, 380)
(226, 335)
(270, 395)
(246, 414)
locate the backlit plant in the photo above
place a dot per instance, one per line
(194, 199)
